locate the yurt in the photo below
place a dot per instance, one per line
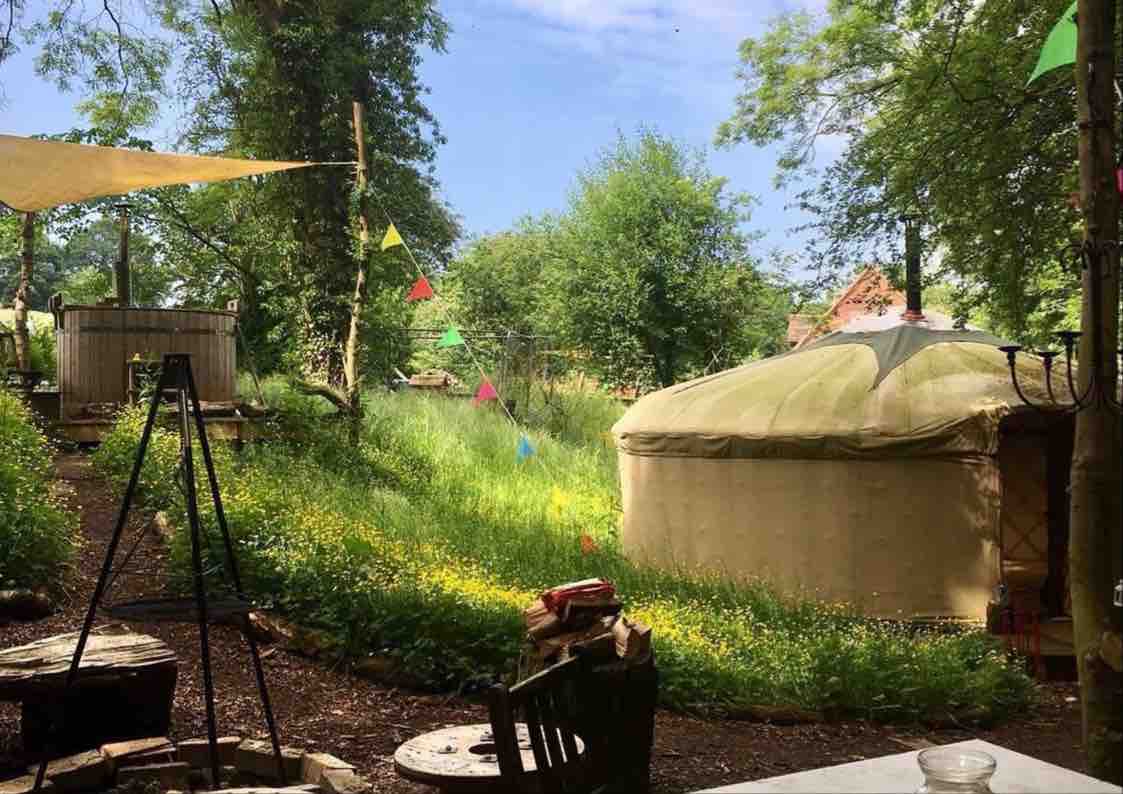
(895, 470)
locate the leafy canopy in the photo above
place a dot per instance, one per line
(931, 102)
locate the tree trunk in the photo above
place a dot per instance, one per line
(1096, 539)
(351, 375)
(23, 290)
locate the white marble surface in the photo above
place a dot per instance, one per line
(897, 774)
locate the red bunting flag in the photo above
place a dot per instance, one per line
(486, 392)
(420, 291)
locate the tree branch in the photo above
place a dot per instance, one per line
(332, 395)
(120, 51)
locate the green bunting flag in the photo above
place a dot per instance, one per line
(1060, 46)
(450, 338)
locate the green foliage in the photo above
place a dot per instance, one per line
(931, 102)
(278, 81)
(647, 273)
(426, 541)
(81, 266)
(117, 452)
(37, 533)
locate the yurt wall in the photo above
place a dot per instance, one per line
(96, 342)
(897, 538)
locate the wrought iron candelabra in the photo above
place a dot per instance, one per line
(1101, 389)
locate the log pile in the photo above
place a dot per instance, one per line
(615, 713)
(585, 618)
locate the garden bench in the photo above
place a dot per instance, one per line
(124, 689)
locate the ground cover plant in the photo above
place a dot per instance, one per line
(36, 531)
(423, 543)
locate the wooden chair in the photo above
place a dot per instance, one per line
(547, 703)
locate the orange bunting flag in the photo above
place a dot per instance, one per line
(421, 291)
(486, 392)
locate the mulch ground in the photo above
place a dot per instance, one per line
(326, 708)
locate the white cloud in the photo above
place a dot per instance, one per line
(720, 18)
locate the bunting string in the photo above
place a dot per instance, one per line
(423, 290)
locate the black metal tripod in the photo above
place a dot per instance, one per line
(176, 375)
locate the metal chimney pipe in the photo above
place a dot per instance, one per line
(913, 311)
(121, 273)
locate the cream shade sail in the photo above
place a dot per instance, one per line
(37, 175)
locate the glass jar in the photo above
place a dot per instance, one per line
(949, 770)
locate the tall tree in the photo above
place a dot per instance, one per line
(23, 288)
(1096, 518)
(278, 80)
(654, 276)
(930, 104)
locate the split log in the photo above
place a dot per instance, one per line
(633, 640)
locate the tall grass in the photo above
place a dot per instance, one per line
(425, 540)
(36, 531)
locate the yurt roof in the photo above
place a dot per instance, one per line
(902, 392)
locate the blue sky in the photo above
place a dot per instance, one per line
(529, 90)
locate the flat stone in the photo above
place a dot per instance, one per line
(24, 785)
(117, 752)
(81, 772)
(197, 752)
(343, 781)
(255, 757)
(313, 766)
(170, 775)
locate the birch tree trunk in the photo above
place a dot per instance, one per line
(1095, 545)
(352, 379)
(23, 290)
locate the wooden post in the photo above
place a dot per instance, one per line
(358, 300)
(1095, 535)
(23, 289)
(121, 274)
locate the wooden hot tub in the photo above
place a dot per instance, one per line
(95, 344)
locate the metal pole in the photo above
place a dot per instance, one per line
(235, 577)
(182, 362)
(103, 577)
(913, 309)
(124, 283)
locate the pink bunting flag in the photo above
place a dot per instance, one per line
(421, 291)
(486, 392)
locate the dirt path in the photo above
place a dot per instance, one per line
(363, 722)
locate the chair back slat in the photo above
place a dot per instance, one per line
(565, 726)
(550, 727)
(504, 733)
(538, 746)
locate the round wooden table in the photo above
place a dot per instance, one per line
(460, 760)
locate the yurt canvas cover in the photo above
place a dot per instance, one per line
(862, 468)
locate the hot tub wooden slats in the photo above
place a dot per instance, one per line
(95, 342)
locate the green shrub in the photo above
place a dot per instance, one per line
(37, 536)
(426, 540)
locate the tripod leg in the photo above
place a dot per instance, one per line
(235, 577)
(197, 560)
(103, 577)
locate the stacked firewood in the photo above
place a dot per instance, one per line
(584, 618)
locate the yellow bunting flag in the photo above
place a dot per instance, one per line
(392, 238)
